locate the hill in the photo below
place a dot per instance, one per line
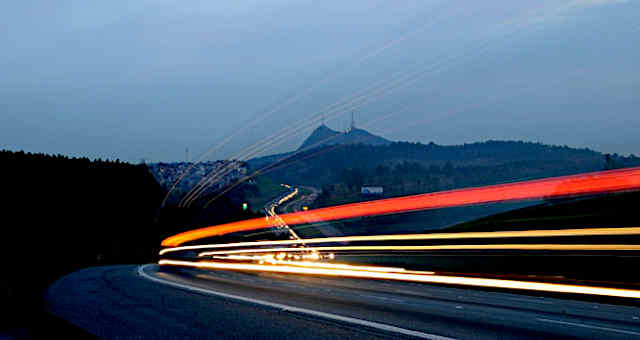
(514, 159)
(341, 165)
(323, 136)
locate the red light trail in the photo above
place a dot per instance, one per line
(574, 185)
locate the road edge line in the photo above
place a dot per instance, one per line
(292, 309)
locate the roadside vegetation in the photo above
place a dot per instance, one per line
(61, 214)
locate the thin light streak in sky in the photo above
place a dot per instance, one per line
(261, 117)
(196, 191)
(369, 93)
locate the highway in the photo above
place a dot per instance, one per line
(304, 200)
(173, 302)
(292, 288)
(555, 187)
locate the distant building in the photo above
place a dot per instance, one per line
(225, 172)
(371, 190)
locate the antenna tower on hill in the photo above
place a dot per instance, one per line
(353, 122)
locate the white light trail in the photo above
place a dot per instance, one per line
(595, 247)
(433, 236)
(413, 277)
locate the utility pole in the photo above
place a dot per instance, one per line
(186, 156)
(353, 122)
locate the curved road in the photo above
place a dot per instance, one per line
(298, 203)
(152, 302)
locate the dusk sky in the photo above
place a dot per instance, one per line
(142, 79)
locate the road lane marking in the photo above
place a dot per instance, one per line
(589, 326)
(292, 309)
(529, 300)
(380, 297)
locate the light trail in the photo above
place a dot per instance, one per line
(198, 189)
(281, 163)
(341, 107)
(272, 260)
(414, 277)
(271, 211)
(404, 81)
(259, 118)
(594, 247)
(344, 266)
(411, 237)
(527, 190)
(368, 94)
(582, 184)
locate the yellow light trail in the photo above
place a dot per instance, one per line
(434, 236)
(272, 260)
(600, 247)
(288, 197)
(343, 266)
(415, 277)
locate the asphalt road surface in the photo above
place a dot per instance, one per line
(152, 302)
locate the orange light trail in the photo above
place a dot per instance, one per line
(442, 247)
(582, 184)
(410, 237)
(414, 276)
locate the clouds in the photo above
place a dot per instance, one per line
(590, 3)
(147, 78)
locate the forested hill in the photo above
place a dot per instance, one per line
(407, 168)
(321, 165)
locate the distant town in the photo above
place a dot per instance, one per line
(167, 174)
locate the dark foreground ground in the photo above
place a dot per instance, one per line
(144, 302)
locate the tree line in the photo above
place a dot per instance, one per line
(61, 214)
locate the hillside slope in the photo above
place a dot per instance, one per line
(404, 168)
(513, 159)
(323, 136)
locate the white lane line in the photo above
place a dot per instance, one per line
(589, 326)
(528, 300)
(291, 309)
(409, 292)
(380, 297)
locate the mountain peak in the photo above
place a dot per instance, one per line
(323, 135)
